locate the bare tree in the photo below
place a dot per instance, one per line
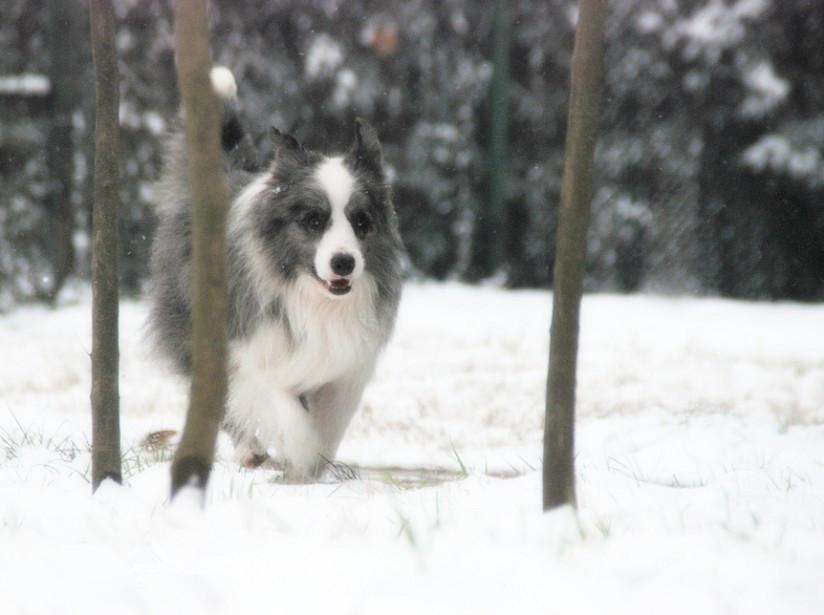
(207, 189)
(570, 255)
(105, 394)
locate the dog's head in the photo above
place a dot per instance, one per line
(326, 218)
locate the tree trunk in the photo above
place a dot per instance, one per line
(582, 130)
(105, 354)
(498, 155)
(60, 145)
(208, 192)
(489, 232)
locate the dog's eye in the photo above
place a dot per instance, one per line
(313, 221)
(363, 223)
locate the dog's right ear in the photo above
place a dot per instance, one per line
(287, 148)
(365, 153)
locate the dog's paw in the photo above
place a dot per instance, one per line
(304, 473)
(249, 454)
(254, 460)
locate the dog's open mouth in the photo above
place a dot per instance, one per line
(338, 286)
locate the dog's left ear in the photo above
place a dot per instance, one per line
(365, 153)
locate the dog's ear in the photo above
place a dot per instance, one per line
(365, 153)
(287, 147)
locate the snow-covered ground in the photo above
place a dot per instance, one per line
(700, 472)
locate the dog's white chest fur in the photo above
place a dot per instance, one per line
(323, 340)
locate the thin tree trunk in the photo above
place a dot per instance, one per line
(60, 145)
(570, 245)
(207, 188)
(105, 354)
(488, 231)
(498, 154)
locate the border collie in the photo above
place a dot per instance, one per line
(314, 285)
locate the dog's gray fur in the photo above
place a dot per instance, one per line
(281, 311)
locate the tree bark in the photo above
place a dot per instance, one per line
(105, 396)
(571, 236)
(208, 192)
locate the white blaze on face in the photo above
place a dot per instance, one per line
(338, 183)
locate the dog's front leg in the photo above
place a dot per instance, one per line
(296, 437)
(260, 416)
(333, 406)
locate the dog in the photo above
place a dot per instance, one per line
(315, 278)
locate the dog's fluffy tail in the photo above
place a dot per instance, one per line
(225, 86)
(234, 139)
(239, 151)
(223, 83)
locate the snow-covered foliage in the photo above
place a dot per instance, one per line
(700, 445)
(767, 90)
(777, 154)
(717, 25)
(24, 85)
(711, 126)
(323, 58)
(712, 113)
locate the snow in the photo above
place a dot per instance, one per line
(700, 468)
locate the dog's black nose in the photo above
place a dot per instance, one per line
(343, 264)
